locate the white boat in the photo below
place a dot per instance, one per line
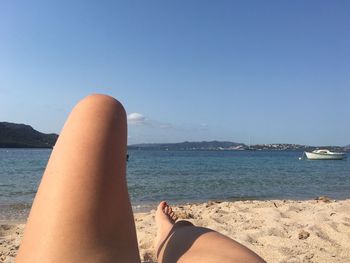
(324, 154)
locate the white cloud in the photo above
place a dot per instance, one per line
(146, 130)
(136, 118)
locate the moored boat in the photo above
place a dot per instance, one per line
(324, 154)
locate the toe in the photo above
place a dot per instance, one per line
(174, 218)
(161, 205)
(166, 209)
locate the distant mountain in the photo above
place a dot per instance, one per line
(224, 145)
(13, 135)
(204, 145)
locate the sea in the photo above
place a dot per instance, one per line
(188, 177)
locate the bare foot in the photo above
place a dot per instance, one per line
(165, 220)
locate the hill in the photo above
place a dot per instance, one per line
(13, 135)
(224, 145)
(212, 145)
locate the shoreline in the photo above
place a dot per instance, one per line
(277, 230)
(146, 207)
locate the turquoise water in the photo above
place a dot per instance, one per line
(188, 176)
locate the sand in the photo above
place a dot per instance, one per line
(279, 231)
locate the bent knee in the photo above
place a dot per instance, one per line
(102, 102)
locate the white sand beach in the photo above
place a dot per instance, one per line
(279, 231)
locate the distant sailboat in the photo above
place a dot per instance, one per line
(249, 148)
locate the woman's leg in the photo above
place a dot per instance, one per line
(184, 242)
(82, 212)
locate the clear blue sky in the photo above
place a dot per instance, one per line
(274, 71)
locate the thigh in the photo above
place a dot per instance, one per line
(82, 209)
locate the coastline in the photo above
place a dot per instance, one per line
(278, 230)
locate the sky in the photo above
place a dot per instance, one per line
(264, 71)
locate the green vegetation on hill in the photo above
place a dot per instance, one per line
(13, 135)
